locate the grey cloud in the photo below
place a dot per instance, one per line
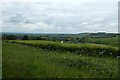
(16, 19)
(62, 16)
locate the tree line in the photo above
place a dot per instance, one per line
(14, 37)
(40, 37)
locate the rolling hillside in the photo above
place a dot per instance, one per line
(26, 61)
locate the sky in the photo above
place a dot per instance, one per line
(59, 16)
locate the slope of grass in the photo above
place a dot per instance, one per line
(86, 49)
(20, 61)
(113, 41)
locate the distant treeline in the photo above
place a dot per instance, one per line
(72, 38)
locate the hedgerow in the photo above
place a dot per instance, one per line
(87, 49)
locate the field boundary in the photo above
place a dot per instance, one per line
(87, 49)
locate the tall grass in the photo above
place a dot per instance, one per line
(86, 49)
(20, 61)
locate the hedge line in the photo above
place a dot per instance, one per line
(87, 49)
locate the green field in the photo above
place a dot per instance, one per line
(112, 41)
(34, 59)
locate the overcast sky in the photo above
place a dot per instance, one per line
(59, 16)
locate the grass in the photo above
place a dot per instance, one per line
(113, 41)
(86, 49)
(21, 61)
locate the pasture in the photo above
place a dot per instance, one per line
(111, 41)
(45, 59)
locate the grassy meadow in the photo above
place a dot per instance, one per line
(111, 41)
(47, 59)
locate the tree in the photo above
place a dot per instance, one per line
(4, 36)
(11, 37)
(25, 37)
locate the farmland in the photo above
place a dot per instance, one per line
(47, 59)
(60, 39)
(112, 41)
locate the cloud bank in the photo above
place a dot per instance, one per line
(59, 16)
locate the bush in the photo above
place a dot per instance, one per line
(86, 49)
(25, 37)
(11, 37)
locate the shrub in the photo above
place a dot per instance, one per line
(87, 49)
